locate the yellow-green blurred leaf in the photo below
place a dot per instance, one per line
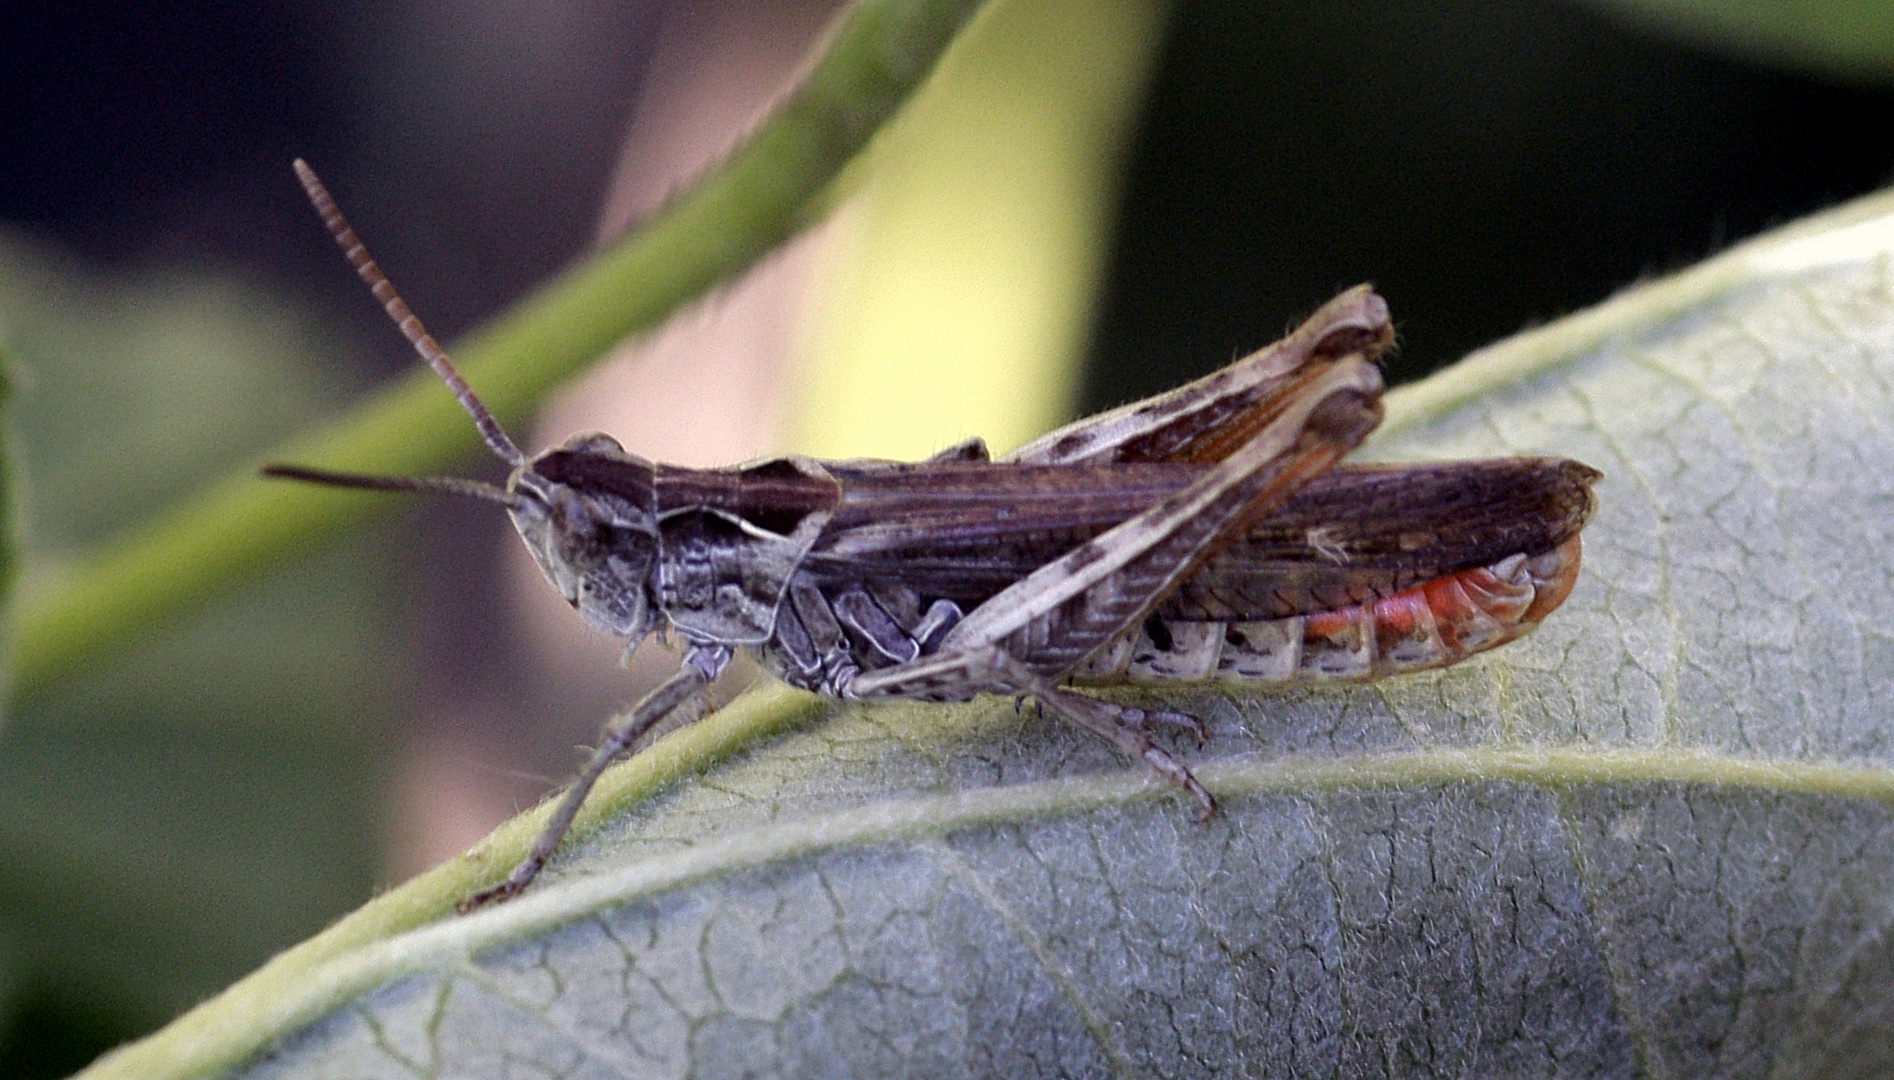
(967, 264)
(1844, 39)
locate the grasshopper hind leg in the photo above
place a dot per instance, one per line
(1166, 718)
(1148, 719)
(1129, 730)
(959, 675)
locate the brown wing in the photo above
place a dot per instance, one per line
(1207, 420)
(965, 531)
(1364, 532)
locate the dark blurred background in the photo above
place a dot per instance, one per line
(1488, 166)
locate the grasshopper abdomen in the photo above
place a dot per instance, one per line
(1434, 624)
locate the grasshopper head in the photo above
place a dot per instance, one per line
(584, 511)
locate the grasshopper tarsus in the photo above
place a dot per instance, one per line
(514, 884)
(1202, 534)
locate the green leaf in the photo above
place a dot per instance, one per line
(1848, 39)
(1653, 837)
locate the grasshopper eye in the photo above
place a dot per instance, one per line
(589, 543)
(608, 538)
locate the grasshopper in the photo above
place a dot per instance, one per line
(1203, 534)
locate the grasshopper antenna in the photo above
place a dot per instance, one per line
(411, 329)
(434, 485)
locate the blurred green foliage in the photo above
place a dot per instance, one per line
(1849, 39)
(183, 808)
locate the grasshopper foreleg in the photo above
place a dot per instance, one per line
(702, 664)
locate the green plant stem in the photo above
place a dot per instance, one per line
(238, 527)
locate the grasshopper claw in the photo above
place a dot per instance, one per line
(1171, 769)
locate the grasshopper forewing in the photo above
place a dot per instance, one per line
(1204, 534)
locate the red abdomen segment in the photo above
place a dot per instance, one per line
(1433, 624)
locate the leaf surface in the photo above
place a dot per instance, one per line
(1653, 837)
